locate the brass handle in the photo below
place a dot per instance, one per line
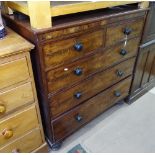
(7, 133)
(15, 151)
(2, 109)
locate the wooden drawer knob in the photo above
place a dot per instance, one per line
(7, 133)
(78, 95)
(120, 73)
(78, 47)
(117, 93)
(123, 52)
(78, 118)
(2, 109)
(127, 31)
(78, 71)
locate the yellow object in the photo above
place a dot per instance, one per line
(7, 133)
(40, 12)
(2, 109)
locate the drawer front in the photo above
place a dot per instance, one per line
(122, 30)
(93, 24)
(68, 123)
(69, 74)
(24, 144)
(15, 98)
(70, 31)
(18, 124)
(13, 72)
(68, 99)
(60, 52)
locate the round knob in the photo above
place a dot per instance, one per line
(78, 118)
(7, 133)
(78, 71)
(2, 109)
(123, 52)
(117, 93)
(15, 151)
(78, 95)
(78, 47)
(119, 73)
(127, 31)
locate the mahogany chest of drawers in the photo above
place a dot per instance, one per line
(20, 124)
(82, 65)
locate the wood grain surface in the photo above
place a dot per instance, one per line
(115, 32)
(13, 72)
(16, 98)
(20, 123)
(57, 53)
(13, 43)
(25, 144)
(55, 61)
(64, 76)
(62, 102)
(68, 123)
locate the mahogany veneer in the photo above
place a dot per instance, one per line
(82, 65)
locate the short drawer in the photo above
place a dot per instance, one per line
(119, 31)
(71, 121)
(17, 125)
(13, 72)
(15, 98)
(60, 52)
(24, 144)
(68, 99)
(68, 75)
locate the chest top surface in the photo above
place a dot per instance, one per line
(13, 43)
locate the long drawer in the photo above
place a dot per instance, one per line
(18, 124)
(60, 52)
(13, 72)
(12, 99)
(24, 144)
(68, 99)
(69, 74)
(71, 121)
(123, 30)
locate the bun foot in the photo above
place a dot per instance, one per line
(56, 146)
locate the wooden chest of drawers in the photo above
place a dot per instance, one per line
(20, 123)
(144, 72)
(144, 76)
(83, 67)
